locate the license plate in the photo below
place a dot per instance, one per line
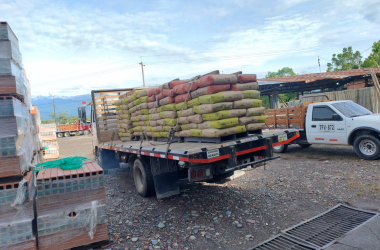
(212, 153)
(326, 127)
(282, 137)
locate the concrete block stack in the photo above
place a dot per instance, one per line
(70, 207)
(48, 133)
(212, 106)
(36, 122)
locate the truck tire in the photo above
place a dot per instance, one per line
(281, 148)
(86, 132)
(67, 134)
(367, 147)
(143, 178)
(304, 145)
(59, 135)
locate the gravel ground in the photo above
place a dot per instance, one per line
(239, 213)
(236, 213)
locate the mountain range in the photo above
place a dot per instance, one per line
(62, 104)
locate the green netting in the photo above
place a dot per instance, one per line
(44, 148)
(68, 163)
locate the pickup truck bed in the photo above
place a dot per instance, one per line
(197, 152)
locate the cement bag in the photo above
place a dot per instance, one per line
(137, 133)
(153, 91)
(124, 106)
(262, 119)
(152, 123)
(159, 96)
(150, 134)
(168, 114)
(189, 126)
(125, 101)
(138, 107)
(193, 102)
(215, 133)
(144, 105)
(164, 134)
(158, 129)
(164, 86)
(251, 94)
(119, 102)
(184, 88)
(185, 133)
(245, 86)
(161, 122)
(142, 93)
(166, 100)
(135, 118)
(166, 92)
(145, 111)
(119, 107)
(128, 117)
(152, 105)
(224, 114)
(135, 124)
(152, 98)
(226, 96)
(255, 126)
(153, 111)
(173, 84)
(130, 105)
(137, 112)
(182, 98)
(144, 128)
(196, 132)
(125, 122)
(168, 128)
(210, 90)
(195, 118)
(248, 119)
(136, 102)
(247, 103)
(143, 123)
(122, 130)
(137, 129)
(156, 134)
(144, 117)
(255, 111)
(125, 138)
(205, 81)
(247, 78)
(210, 108)
(210, 117)
(169, 107)
(225, 123)
(183, 120)
(180, 105)
(170, 121)
(155, 117)
(186, 112)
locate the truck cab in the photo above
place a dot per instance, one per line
(341, 123)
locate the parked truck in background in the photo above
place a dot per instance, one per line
(330, 122)
(156, 167)
(81, 126)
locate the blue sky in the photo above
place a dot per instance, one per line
(71, 47)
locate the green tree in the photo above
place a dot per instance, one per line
(62, 118)
(285, 71)
(373, 60)
(47, 121)
(348, 59)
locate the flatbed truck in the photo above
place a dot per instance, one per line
(156, 166)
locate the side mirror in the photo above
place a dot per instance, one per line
(336, 117)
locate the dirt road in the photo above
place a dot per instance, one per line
(75, 146)
(237, 214)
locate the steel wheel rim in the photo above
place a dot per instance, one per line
(277, 147)
(367, 147)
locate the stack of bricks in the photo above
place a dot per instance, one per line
(36, 122)
(68, 202)
(48, 134)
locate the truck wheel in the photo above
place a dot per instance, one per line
(86, 132)
(281, 148)
(304, 145)
(59, 135)
(67, 134)
(143, 178)
(367, 147)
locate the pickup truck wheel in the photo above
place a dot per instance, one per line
(281, 148)
(304, 145)
(143, 178)
(67, 134)
(367, 147)
(60, 135)
(86, 132)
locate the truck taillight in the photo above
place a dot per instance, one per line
(193, 174)
(200, 173)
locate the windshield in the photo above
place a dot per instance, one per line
(351, 109)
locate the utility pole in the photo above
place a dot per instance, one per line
(142, 69)
(319, 63)
(55, 116)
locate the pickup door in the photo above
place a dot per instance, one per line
(325, 124)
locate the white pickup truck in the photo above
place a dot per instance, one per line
(337, 122)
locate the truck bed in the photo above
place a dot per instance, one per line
(197, 152)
